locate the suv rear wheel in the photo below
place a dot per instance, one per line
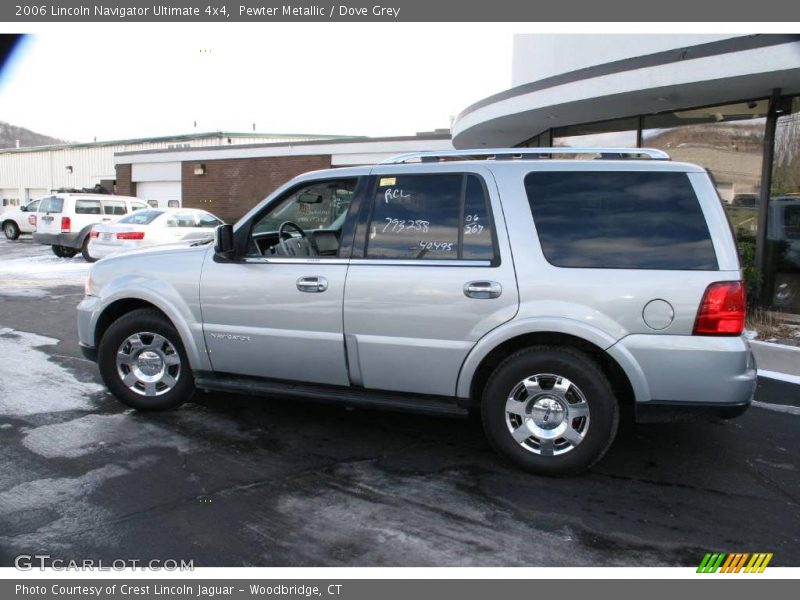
(11, 230)
(143, 362)
(550, 410)
(64, 251)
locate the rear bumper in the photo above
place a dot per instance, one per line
(675, 376)
(70, 240)
(99, 251)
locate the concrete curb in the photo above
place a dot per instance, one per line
(776, 358)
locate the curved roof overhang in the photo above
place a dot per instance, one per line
(740, 69)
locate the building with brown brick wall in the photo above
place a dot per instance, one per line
(31, 172)
(229, 181)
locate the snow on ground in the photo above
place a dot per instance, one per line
(92, 433)
(31, 383)
(64, 507)
(27, 268)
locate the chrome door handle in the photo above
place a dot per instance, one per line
(482, 289)
(312, 284)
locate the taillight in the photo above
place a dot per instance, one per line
(32, 220)
(66, 224)
(722, 311)
(94, 234)
(130, 235)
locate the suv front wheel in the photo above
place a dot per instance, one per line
(143, 362)
(550, 410)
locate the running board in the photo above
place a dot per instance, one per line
(396, 401)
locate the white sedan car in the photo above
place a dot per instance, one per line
(151, 227)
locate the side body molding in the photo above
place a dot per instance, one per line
(572, 327)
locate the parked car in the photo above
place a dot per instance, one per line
(783, 233)
(546, 296)
(18, 220)
(150, 227)
(64, 220)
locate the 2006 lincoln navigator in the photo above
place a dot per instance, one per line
(544, 295)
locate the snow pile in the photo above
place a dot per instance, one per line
(31, 383)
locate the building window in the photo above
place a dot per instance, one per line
(782, 277)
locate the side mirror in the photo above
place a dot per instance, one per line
(23, 208)
(223, 241)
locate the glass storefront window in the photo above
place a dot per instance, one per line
(728, 140)
(619, 133)
(783, 216)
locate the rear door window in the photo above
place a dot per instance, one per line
(430, 217)
(181, 220)
(87, 207)
(619, 220)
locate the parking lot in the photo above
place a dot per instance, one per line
(238, 481)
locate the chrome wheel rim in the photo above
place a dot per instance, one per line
(148, 364)
(547, 414)
(9, 231)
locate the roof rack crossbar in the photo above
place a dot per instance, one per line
(522, 153)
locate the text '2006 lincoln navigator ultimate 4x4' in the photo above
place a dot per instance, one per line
(544, 295)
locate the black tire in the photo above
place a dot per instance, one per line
(85, 250)
(143, 321)
(64, 251)
(11, 230)
(583, 372)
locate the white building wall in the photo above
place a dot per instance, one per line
(28, 173)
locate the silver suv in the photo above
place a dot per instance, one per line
(546, 296)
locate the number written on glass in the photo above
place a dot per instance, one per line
(473, 227)
(399, 225)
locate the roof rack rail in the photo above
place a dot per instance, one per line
(525, 153)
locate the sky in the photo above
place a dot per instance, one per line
(127, 82)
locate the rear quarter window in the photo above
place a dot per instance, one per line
(619, 220)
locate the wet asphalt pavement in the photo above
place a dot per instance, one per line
(237, 481)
